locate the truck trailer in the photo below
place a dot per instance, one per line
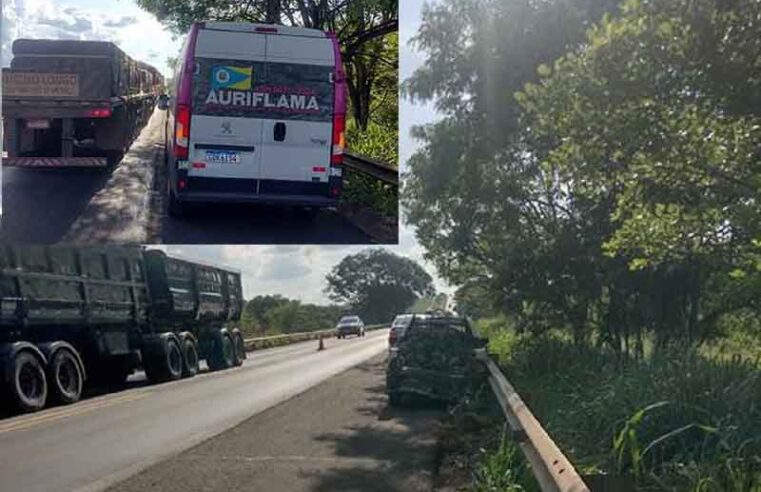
(77, 316)
(74, 103)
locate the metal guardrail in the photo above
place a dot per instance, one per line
(370, 167)
(303, 335)
(550, 467)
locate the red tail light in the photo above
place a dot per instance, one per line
(99, 113)
(182, 131)
(339, 140)
(392, 337)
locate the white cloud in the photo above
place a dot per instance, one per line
(135, 31)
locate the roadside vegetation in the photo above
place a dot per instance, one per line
(373, 283)
(594, 183)
(367, 31)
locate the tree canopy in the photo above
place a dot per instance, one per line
(365, 29)
(378, 284)
(596, 166)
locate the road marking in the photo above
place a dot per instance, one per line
(25, 423)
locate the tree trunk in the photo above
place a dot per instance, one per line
(273, 12)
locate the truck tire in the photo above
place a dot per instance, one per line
(65, 377)
(166, 364)
(222, 351)
(29, 386)
(240, 346)
(394, 399)
(189, 357)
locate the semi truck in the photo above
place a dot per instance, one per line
(77, 316)
(73, 103)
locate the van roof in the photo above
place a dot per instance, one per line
(264, 28)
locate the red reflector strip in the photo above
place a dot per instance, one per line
(318, 169)
(199, 165)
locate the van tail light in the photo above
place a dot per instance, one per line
(182, 131)
(339, 140)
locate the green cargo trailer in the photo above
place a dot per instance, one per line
(74, 103)
(72, 316)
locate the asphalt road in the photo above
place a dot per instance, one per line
(340, 435)
(100, 441)
(95, 205)
(40, 205)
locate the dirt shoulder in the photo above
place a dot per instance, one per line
(339, 435)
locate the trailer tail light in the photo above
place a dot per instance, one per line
(99, 113)
(182, 132)
(339, 140)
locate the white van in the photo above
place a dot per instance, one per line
(258, 116)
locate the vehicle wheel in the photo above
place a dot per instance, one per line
(166, 365)
(175, 207)
(222, 352)
(240, 346)
(189, 358)
(29, 386)
(65, 376)
(395, 399)
(228, 350)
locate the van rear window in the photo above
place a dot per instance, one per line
(239, 88)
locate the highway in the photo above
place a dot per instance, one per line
(127, 205)
(99, 441)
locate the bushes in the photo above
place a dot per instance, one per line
(676, 420)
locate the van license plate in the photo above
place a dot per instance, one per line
(223, 156)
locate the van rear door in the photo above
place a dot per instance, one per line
(297, 130)
(225, 135)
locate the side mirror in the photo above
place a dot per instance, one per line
(163, 103)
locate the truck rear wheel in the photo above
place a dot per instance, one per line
(29, 386)
(189, 358)
(222, 352)
(240, 347)
(65, 376)
(166, 365)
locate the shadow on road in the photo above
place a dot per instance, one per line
(402, 438)
(214, 223)
(41, 204)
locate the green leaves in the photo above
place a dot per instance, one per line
(378, 284)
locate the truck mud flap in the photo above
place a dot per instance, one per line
(55, 162)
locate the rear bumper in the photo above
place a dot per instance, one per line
(55, 162)
(262, 198)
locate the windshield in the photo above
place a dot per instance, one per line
(402, 320)
(349, 320)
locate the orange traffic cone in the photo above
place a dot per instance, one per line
(321, 345)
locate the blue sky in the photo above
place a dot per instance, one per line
(294, 271)
(138, 33)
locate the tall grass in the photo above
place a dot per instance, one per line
(677, 420)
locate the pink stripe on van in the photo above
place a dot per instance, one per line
(184, 93)
(340, 97)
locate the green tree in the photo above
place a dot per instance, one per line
(617, 191)
(378, 284)
(256, 309)
(361, 27)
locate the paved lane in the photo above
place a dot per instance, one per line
(96, 442)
